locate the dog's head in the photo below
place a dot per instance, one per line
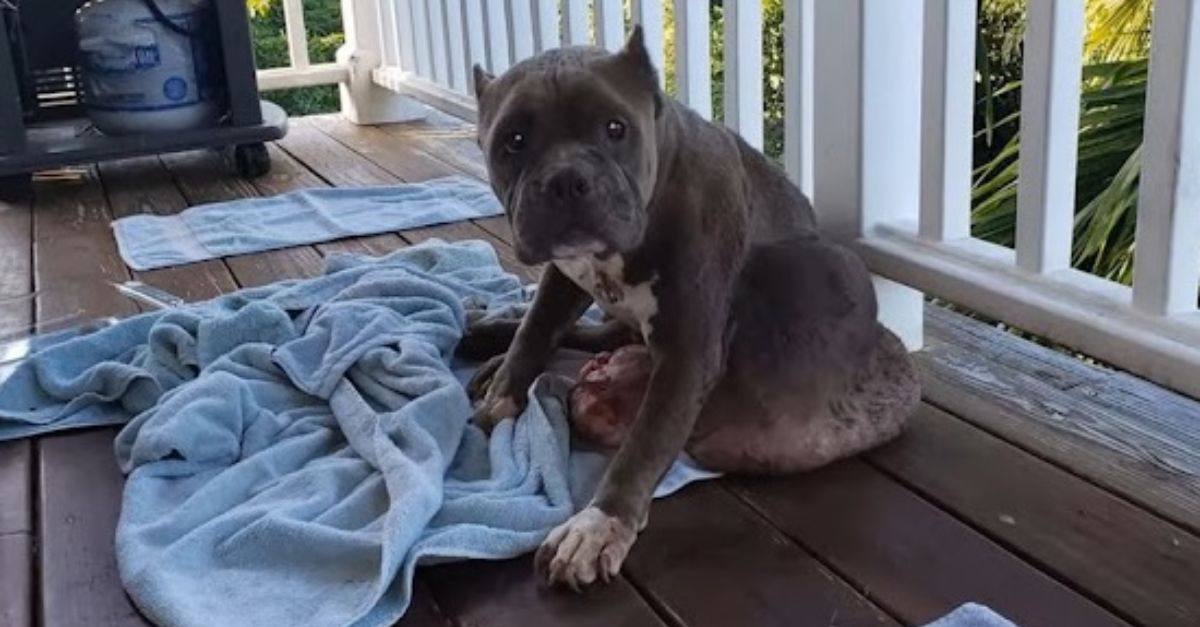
(571, 146)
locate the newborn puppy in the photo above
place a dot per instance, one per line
(761, 348)
(611, 386)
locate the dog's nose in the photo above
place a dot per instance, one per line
(568, 184)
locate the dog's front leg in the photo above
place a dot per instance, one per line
(593, 543)
(556, 308)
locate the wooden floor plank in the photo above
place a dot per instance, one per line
(1119, 432)
(1150, 456)
(339, 165)
(16, 487)
(16, 458)
(16, 533)
(375, 245)
(455, 147)
(506, 594)
(1137, 564)
(446, 137)
(145, 186)
(497, 226)
(916, 560)
(80, 502)
(16, 586)
(399, 158)
(75, 257)
(79, 485)
(16, 267)
(1054, 368)
(710, 561)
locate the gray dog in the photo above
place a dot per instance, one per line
(766, 354)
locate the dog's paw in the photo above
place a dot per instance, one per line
(494, 395)
(482, 381)
(493, 409)
(591, 545)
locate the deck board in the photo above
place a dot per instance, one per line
(709, 561)
(16, 267)
(1138, 565)
(332, 160)
(915, 559)
(16, 458)
(75, 257)
(80, 502)
(16, 532)
(506, 594)
(79, 486)
(397, 157)
(1131, 437)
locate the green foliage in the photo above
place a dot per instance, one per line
(324, 23)
(1112, 113)
(772, 54)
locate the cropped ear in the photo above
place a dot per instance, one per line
(635, 54)
(635, 59)
(482, 80)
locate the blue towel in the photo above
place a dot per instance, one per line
(252, 225)
(972, 615)
(294, 451)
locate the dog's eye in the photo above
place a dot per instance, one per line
(514, 143)
(615, 129)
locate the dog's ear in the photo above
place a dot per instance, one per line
(635, 58)
(482, 80)
(635, 54)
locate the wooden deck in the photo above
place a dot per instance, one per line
(1060, 494)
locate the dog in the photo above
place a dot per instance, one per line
(765, 352)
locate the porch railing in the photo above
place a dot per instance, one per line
(300, 71)
(878, 131)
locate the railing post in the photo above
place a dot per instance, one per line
(693, 80)
(947, 118)
(867, 142)
(744, 69)
(798, 92)
(297, 33)
(1050, 87)
(1167, 264)
(609, 19)
(364, 102)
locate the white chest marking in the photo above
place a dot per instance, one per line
(604, 279)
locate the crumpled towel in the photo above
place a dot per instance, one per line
(294, 451)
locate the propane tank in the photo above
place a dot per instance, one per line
(147, 65)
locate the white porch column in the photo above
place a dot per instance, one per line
(364, 102)
(866, 139)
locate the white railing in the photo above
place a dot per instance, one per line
(300, 71)
(879, 99)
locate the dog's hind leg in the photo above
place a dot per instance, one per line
(811, 376)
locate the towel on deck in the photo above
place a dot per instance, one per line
(972, 615)
(294, 451)
(309, 216)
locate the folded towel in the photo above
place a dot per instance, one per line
(294, 451)
(971, 615)
(309, 216)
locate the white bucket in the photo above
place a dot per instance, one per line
(140, 75)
